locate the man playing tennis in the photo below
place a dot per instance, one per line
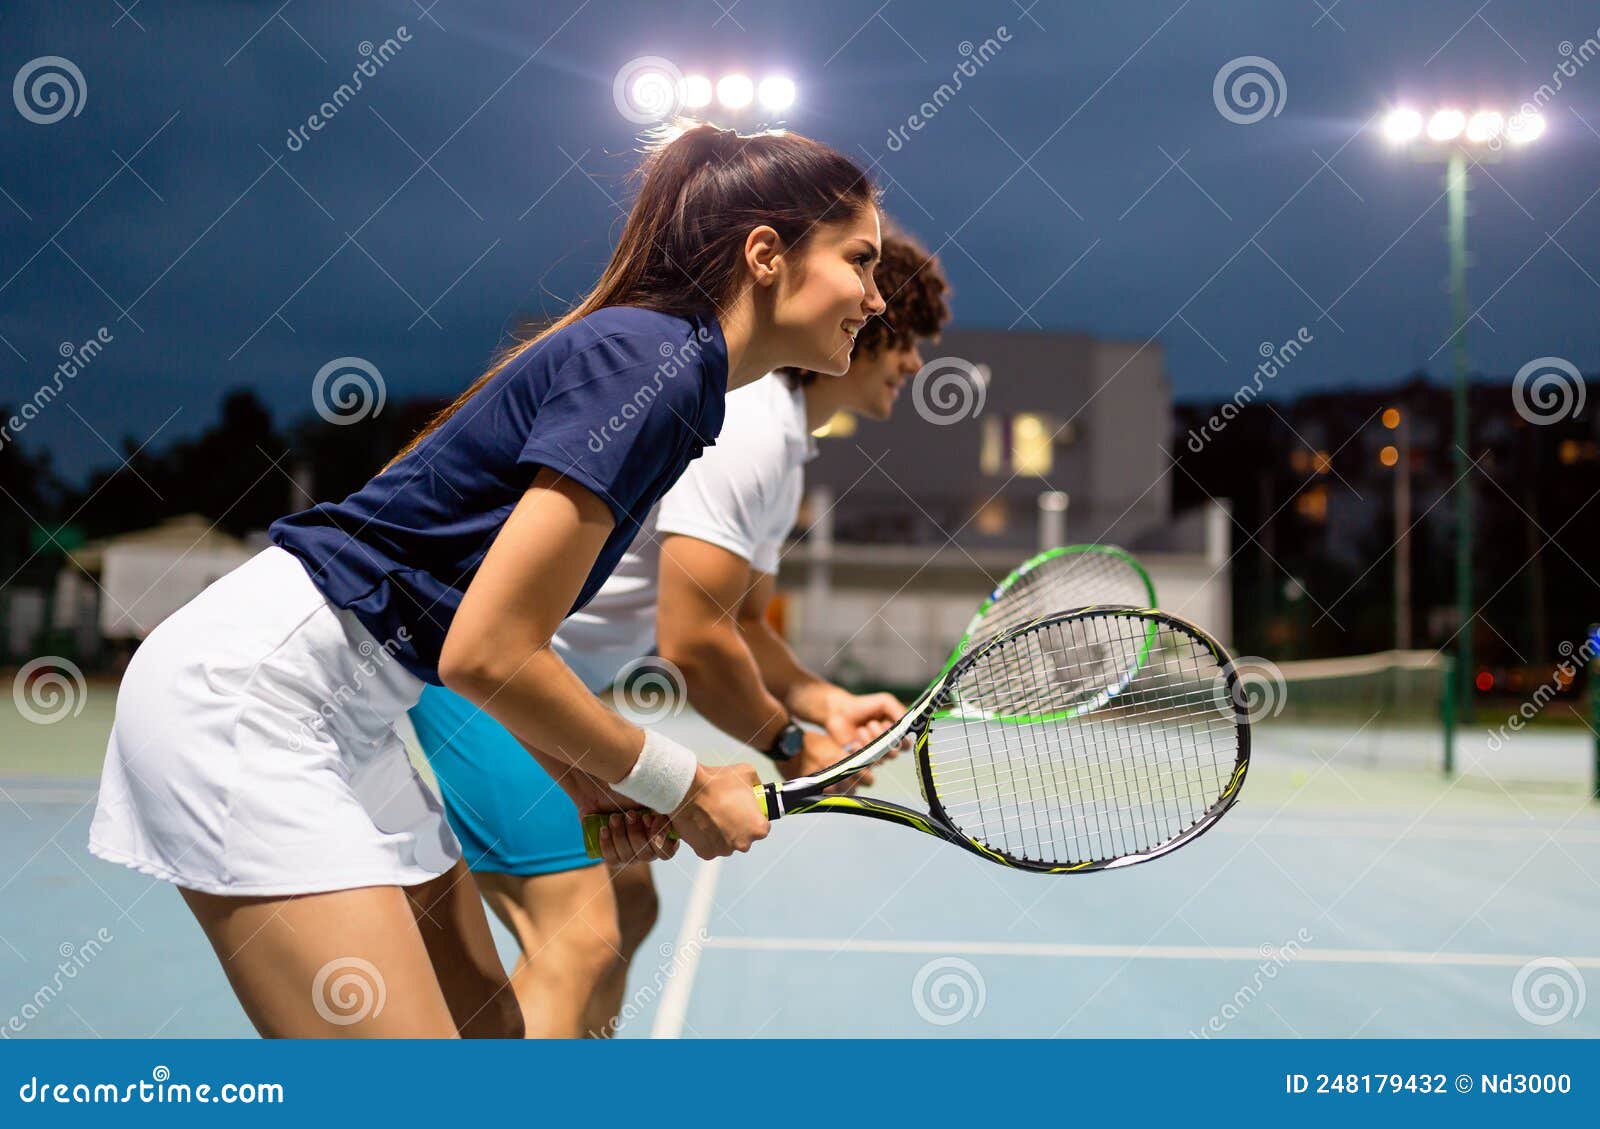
(696, 584)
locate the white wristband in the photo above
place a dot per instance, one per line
(662, 776)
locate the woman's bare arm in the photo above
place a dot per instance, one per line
(497, 653)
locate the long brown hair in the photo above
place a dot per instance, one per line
(682, 248)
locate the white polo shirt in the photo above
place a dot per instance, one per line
(742, 494)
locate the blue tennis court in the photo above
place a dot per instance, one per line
(1337, 899)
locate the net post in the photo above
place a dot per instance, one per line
(1447, 710)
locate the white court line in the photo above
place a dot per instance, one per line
(1460, 832)
(675, 1000)
(1133, 952)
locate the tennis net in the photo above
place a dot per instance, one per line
(1392, 710)
(1381, 710)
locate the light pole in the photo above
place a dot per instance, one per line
(1399, 457)
(1449, 135)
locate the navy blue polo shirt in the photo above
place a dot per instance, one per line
(619, 402)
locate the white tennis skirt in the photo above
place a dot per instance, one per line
(254, 752)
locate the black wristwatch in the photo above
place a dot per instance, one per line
(790, 740)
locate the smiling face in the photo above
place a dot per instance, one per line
(829, 294)
(874, 383)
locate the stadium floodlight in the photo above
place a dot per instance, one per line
(1484, 126)
(696, 91)
(735, 91)
(776, 93)
(1449, 138)
(1446, 125)
(1524, 128)
(1402, 125)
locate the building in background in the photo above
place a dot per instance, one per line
(1024, 441)
(110, 593)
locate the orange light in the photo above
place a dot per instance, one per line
(1324, 462)
(1313, 504)
(1391, 418)
(1388, 456)
(1484, 681)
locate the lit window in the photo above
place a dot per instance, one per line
(992, 453)
(991, 518)
(1032, 445)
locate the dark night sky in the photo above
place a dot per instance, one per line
(171, 212)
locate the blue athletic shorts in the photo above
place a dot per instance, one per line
(510, 816)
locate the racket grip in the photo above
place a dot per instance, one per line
(594, 821)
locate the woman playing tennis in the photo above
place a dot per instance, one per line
(695, 586)
(252, 760)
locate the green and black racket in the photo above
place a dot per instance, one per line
(1079, 741)
(1057, 580)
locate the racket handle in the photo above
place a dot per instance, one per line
(593, 822)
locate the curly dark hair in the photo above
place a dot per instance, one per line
(913, 284)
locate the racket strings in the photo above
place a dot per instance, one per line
(1048, 780)
(1059, 583)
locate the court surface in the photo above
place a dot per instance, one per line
(1337, 899)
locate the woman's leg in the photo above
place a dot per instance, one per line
(638, 906)
(566, 923)
(449, 914)
(350, 963)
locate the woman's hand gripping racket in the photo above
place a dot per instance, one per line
(1079, 741)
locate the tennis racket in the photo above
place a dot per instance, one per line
(1056, 580)
(1038, 751)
